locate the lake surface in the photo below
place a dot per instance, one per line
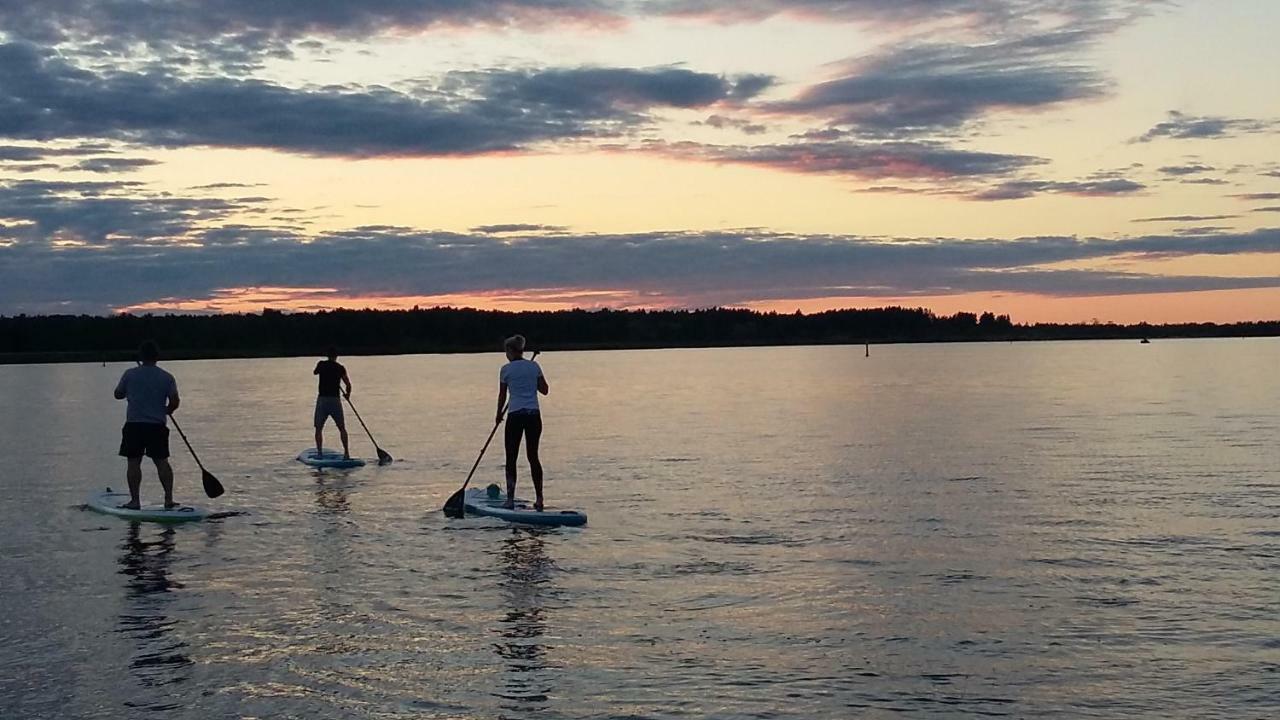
(1069, 530)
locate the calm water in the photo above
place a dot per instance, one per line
(1030, 530)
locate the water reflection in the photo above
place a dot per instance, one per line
(160, 659)
(526, 577)
(331, 494)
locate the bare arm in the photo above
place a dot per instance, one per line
(174, 401)
(543, 387)
(347, 381)
(120, 391)
(502, 401)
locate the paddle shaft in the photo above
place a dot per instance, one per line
(479, 457)
(381, 452)
(178, 427)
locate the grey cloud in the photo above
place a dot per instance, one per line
(27, 168)
(102, 213)
(1184, 218)
(1257, 196)
(938, 86)
(721, 122)
(995, 14)
(598, 92)
(225, 186)
(112, 165)
(31, 153)
(153, 247)
(43, 97)
(1200, 230)
(862, 160)
(1019, 189)
(1268, 209)
(516, 228)
(250, 26)
(1183, 127)
(1205, 181)
(253, 26)
(1186, 169)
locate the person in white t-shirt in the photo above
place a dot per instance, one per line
(153, 396)
(521, 380)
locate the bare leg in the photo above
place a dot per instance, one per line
(511, 437)
(134, 475)
(165, 471)
(319, 439)
(346, 445)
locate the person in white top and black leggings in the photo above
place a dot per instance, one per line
(521, 380)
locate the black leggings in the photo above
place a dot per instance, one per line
(529, 425)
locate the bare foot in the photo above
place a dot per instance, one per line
(169, 505)
(129, 506)
(509, 505)
(538, 506)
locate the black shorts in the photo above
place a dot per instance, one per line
(139, 438)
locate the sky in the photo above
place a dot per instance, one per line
(1055, 160)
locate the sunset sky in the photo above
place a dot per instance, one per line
(1057, 160)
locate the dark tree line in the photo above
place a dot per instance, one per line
(356, 332)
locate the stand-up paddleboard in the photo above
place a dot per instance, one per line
(327, 459)
(480, 502)
(108, 503)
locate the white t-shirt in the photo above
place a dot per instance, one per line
(521, 378)
(148, 389)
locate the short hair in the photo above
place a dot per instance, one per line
(149, 351)
(332, 352)
(514, 343)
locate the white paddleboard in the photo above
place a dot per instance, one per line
(327, 459)
(108, 503)
(478, 502)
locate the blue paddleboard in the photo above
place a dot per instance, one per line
(479, 502)
(108, 503)
(327, 459)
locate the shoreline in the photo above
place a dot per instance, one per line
(128, 355)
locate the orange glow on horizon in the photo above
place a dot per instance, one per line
(1219, 306)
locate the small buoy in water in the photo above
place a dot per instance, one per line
(1145, 341)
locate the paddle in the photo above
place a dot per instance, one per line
(384, 457)
(456, 506)
(212, 487)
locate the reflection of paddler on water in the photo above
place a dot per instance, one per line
(331, 495)
(526, 575)
(160, 659)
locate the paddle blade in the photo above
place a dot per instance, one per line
(384, 457)
(454, 507)
(212, 487)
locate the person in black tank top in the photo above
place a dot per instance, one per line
(329, 400)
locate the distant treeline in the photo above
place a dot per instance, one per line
(55, 338)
